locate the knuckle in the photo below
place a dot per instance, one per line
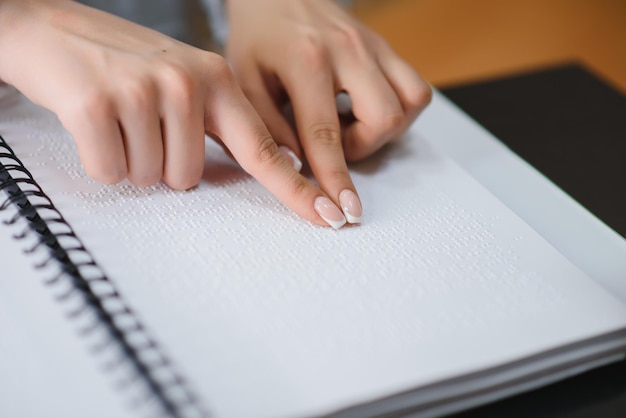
(138, 94)
(218, 70)
(299, 186)
(358, 148)
(312, 53)
(325, 133)
(354, 154)
(419, 96)
(390, 123)
(93, 104)
(220, 67)
(267, 150)
(349, 36)
(179, 83)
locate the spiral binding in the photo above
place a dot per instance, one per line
(102, 309)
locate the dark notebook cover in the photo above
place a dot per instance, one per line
(571, 126)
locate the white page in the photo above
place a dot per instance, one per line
(588, 243)
(268, 315)
(45, 367)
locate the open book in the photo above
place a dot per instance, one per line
(220, 302)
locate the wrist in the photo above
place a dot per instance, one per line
(9, 20)
(18, 19)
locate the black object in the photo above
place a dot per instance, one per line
(571, 126)
(566, 123)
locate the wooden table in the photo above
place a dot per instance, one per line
(455, 41)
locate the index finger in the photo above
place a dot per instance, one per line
(312, 94)
(230, 116)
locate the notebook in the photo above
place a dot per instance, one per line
(122, 301)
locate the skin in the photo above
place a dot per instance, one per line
(139, 103)
(310, 50)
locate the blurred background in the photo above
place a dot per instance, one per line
(453, 42)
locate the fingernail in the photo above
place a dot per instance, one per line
(297, 164)
(329, 212)
(351, 206)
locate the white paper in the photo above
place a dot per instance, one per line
(45, 368)
(588, 243)
(268, 315)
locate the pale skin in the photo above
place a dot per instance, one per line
(139, 103)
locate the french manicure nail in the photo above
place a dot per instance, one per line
(329, 212)
(297, 164)
(351, 206)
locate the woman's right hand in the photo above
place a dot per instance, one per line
(139, 103)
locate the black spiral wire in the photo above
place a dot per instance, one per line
(99, 301)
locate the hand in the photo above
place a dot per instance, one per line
(139, 103)
(308, 51)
